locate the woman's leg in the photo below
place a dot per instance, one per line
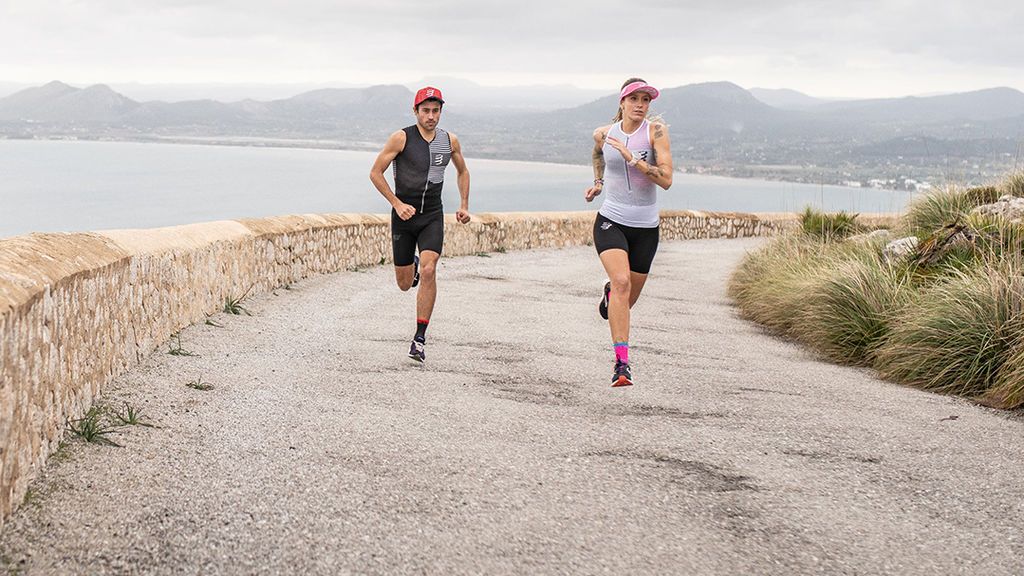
(616, 265)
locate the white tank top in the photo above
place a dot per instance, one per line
(630, 197)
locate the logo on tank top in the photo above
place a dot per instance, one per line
(438, 159)
(642, 154)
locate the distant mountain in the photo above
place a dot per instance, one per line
(713, 108)
(468, 96)
(24, 103)
(979, 105)
(57, 102)
(222, 92)
(785, 98)
(717, 126)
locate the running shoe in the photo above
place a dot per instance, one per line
(622, 376)
(415, 270)
(416, 351)
(602, 308)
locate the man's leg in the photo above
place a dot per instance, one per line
(403, 250)
(430, 239)
(403, 276)
(427, 293)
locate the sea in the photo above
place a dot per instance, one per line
(74, 186)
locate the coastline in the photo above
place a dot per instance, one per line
(366, 146)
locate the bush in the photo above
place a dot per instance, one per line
(850, 312)
(827, 226)
(956, 335)
(769, 284)
(929, 213)
(1014, 184)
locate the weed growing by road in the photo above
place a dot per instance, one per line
(91, 428)
(198, 384)
(131, 416)
(175, 348)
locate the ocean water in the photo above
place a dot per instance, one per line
(50, 186)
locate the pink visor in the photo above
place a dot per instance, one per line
(639, 87)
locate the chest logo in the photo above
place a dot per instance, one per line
(438, 159)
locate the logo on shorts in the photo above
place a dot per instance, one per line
(606, 225)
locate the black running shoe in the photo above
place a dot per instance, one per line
(416, 351)
(415, 270)
(622, 375)
(602, 308)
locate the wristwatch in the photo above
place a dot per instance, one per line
(636, 158)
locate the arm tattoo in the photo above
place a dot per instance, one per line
(658, 133)
(598, 163)
(654, 172)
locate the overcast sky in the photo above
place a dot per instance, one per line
(821, 47)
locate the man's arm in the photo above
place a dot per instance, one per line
(393, 147)
(597, 158)
(660, 173)
(462, 214)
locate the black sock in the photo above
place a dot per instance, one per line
(421, 330)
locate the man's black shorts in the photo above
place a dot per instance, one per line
(639, 243)
(426, 230)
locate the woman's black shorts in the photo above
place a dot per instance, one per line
(427, 230)
(639, 243)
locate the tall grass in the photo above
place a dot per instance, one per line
(850, 311)
(829, 226)
(930, 212)
(948, 318)
(769, 284)
(956, 335)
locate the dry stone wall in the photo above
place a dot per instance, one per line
(76, 310)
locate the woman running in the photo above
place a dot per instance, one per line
(631, 158)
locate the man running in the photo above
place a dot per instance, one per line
(419, 154)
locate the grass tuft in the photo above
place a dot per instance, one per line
(91, 428)
(198, 384)
(829, 226)
(931, 212)
(850, 311)
(131, 416)
(174, 347)
(1014, 184)
(957, 334)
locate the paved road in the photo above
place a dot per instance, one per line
(322, 450)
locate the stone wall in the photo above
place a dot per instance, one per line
(76, 310)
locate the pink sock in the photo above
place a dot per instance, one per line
(622, 352)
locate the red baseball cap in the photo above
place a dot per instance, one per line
(427, 93)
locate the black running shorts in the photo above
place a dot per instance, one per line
(639, 243)
(426, 230)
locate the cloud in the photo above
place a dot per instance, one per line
(812, 45)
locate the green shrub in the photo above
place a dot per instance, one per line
(829, 226)
(1014, 184)
(850, 311)
(1008, 389)
(956, 335)
(996, 237)
(769, 284)
(930, 212)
